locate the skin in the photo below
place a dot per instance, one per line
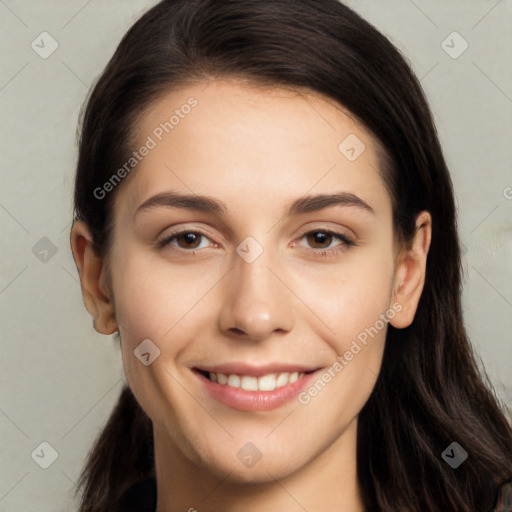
(256, 149)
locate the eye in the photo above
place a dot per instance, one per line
(190, 240)
(186, 240)
(325, 238)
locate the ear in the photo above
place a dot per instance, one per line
(410, 271)
(93, 274)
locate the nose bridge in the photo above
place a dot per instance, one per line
(257, 303)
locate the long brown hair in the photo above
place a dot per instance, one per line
(429, 392)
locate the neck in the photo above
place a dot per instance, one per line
(328, 482)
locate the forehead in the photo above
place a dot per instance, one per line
(242, 142)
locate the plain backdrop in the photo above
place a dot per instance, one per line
(59, 378)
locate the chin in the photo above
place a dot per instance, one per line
(248, 466)
(260, 473)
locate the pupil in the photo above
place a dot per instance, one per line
(190, 238)
(320, 237)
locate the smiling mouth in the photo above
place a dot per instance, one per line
(268, 382)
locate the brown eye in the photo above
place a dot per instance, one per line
(190, 239)
(321, 242)
(319, 237)
(185, 241)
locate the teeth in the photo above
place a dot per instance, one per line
(282, 380)
(234, 381)
(248, 383)
(269, 382)
(264, 383)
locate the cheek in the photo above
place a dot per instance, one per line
(352, 302)
(154, 301)
(351, 296)
(354, 344)
(152, 295)
(167, 304)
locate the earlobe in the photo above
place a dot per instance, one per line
(92, 268)
(410, 272)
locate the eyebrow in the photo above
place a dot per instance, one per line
(302, 205)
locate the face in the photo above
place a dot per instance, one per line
(244, 280)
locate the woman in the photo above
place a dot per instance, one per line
(264, 215)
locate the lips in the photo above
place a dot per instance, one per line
(254, 388)
(250, 378)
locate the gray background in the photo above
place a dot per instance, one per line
(60, 379)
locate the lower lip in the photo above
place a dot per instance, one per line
(242, 400)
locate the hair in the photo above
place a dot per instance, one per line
(430, 391)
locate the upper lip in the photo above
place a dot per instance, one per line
(255, 370)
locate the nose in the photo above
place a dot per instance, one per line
(257, 302)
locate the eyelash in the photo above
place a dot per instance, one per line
(347, 242)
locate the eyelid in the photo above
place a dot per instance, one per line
(326, 229)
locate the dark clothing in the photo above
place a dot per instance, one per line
(140, 497)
